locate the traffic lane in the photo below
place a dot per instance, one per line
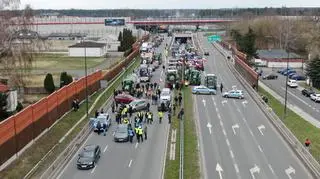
(277, 157)
(251, 117)
(275, 150)
(72, 172)
(214, 143)
(148, 162)
(246, 153)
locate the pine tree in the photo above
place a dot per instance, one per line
(3, 106)
(49, 84)
(313, 71)
(120, 36)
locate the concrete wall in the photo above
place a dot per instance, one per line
(90, 52)
(284, 64)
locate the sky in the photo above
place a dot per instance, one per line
(165, 4)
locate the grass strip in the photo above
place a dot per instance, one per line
(301, 128)
(191, 153)
(21, 166)
(172, 166)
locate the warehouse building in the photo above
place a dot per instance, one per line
(277, 58)
(87, 48)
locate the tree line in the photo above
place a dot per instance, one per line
(126, 40)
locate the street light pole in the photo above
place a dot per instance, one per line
(286, 93)
(86, 77)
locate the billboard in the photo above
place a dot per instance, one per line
(114, 22)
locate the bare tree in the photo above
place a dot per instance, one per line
(17, 42)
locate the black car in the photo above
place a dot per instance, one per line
(270, 77)
(121, 134)
(206, 53)
(88, 157)
(307, 92)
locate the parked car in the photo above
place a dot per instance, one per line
(270, 77)
(288, 72)
(298, 77)
(138, 104)
(315, 97)
(290, 75)
(307, 92)
(124, 98)
(283, 70)
(121, 133)
(101, 123)
(292, 83)
(233, 94)
(203, 90)
(88, 157)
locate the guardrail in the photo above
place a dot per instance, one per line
(181, 165)
(310, 162)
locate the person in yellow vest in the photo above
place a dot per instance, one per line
(149, 120)
(136, 130)
(160, 113)
(140, 133)
(126, 120)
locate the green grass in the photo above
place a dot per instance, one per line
(63, 61)
(172, 166)
(191, 153)
(298, 126)
(20, 167)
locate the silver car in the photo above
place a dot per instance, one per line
(139, 104)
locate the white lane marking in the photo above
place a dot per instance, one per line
(231, 154)
(136, 146)
(130, 163)
(244, 119)
(228, 143)
(236, 167)
(219, 116)
(214, 103)
(105, 149)
(260, 148)
(224, 132)
(94, 168)
(238, 110)
(221, 123)
(216, 109)
(113, 133)
(251, 132)
(271, 169)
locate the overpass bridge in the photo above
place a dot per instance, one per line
(137, 22)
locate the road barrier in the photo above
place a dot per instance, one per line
(302, 152)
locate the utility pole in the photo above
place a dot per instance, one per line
(287, 48)
(86, 77)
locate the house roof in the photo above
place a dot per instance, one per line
(67, 35)
(88, 44)
(276, 54)
(25, 34)
(3, 88)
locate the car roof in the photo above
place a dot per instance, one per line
(90, 147)
(166, 89)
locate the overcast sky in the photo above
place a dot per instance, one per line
(165, 4)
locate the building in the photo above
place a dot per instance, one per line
(66, 36)
(87, 48)
(277, 58)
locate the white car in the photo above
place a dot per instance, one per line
(292, 84)
(233, 94)
(165, 94)
(315, 97)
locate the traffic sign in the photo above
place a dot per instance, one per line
(214, 38)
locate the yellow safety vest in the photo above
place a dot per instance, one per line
(160, 114)
(149, 116)
(140, 131)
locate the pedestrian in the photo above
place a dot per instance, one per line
(180, 100)
(155, 85)
(74, 105)
(131, 134)
(176, 99)
(181, 113)
(148, 107)
(137, 133)
(145, 132)
(221, 87)
(101, 111)
(307, 143)
(130, 110)
(147, 86)
(155, 99)
(104, 128)
(160, 113)
(98, 127)
(96, 114)
(163, 67)
(118, 118)
(113, 107)
(140, 133)
(151, 86)
(158, 92)
(77, 104)
(174, 108)
(169, 118)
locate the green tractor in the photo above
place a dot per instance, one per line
(129, 82)
(172, 78)
(210, 81)
(193, 76)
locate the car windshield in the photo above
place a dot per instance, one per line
(122, 129)
(143, 71)
(165, 93)
(87, 154)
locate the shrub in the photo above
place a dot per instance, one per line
(49, 84)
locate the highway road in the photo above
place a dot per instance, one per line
(125, 160)
(294, 95)
(236, 139)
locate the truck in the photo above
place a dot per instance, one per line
(144, 73)
(193, 76)
(210, 81)
(172, 78)
(129, 82)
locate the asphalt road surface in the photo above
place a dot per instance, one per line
(294, 95)
(236, 139)
(125, 160)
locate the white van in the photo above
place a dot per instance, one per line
(292, 84)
